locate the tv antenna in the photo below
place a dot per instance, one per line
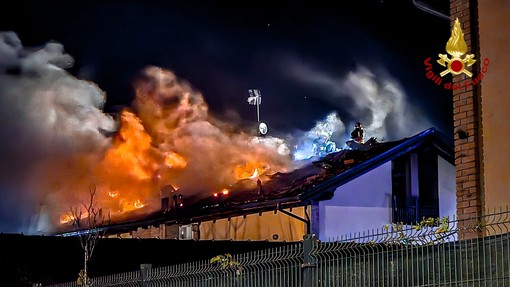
(255, 99)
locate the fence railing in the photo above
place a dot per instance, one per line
(434, 252)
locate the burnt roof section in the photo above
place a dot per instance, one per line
(315, 181)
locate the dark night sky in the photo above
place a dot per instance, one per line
(225, 48)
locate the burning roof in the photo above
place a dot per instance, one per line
(314, 181)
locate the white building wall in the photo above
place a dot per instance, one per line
(359, 205)
(446, 188)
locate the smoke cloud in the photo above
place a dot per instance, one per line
(50, 127)
(369, 96)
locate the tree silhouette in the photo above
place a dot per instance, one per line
(90, 224)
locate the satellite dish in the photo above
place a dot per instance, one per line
(262, 128)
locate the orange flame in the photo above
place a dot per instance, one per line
(251, 170)
(113, 193)
(171, 116)
(127, 205)
(132, 152)
(224, 192)
(128, 166)
(255, 174)
(66, 218)
(173, 160)
(138, 204)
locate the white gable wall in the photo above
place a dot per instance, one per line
(359, 205)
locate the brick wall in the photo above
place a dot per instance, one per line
(467, 120)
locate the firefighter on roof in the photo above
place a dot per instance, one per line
(358, 134)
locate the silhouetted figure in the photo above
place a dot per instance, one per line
(358, 134)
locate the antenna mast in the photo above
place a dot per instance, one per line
(255, 99)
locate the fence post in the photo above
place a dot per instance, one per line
(144, 270)
(308, 260)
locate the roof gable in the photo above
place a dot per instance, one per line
(430, 138)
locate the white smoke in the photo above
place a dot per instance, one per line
(51, 126)
(371, 97)
(321, 135)
(52, 105)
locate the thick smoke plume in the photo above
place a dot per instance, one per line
(50, 127)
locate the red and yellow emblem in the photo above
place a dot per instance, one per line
(456, 47)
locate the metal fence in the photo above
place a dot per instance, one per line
(436, 252)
